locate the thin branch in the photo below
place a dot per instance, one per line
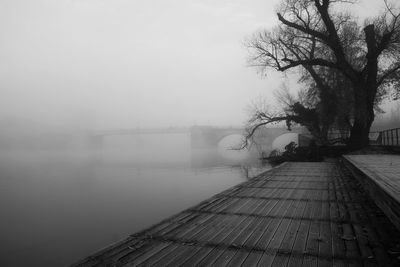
(309, 62)
(388, 73)
(306, 30)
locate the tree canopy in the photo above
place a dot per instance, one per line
(342, 60)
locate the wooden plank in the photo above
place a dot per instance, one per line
(189, 252)
(205, 232)
(365, 234)
(116, 250)
(375, 179)
(248, 207)
(238, 206)
(231, 223)
(131, 253)
(268, 222)
(156, 257)
(269, 233)
(262, 241)
(161, 259)
(224, 258)
(290, 237)
(224, 255)
(312, 244)
(238, 259)
(325, 245)
(189, 227)
(145, 256)
(171, 225)
(210, 258)
(301, 237)
(253, 259)
(211, 203)
(243, 236)
(264, 224)
(338, 245)
(265, 260)
(196, 258)
(227, 236)
(173, 256)
(228, 202)
(240, 237)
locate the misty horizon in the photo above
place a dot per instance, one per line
(80, 79)
(124, 64)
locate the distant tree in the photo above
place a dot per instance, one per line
(325, 42)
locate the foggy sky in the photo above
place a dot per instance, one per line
(131, 63)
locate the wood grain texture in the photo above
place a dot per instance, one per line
(299, 214)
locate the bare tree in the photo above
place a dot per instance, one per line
(300, 109)
(314, 36)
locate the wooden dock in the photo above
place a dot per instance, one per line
(380, 177)
(299, 214)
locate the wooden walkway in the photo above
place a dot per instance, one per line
(299, 214)
(380, 177)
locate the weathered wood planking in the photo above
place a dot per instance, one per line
(299, 214)
(380, 177)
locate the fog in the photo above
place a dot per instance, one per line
(129, 63)
(74, 71)
(113, 64)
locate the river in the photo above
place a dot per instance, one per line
(61, 205)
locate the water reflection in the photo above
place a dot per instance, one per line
(58, 206)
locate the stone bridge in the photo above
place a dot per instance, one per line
(200, 136)
(209, 137)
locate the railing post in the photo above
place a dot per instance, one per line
(387, 138)
(392, 133)
(384, 138)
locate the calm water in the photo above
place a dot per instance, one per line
(59, 206)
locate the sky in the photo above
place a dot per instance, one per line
(111, 64)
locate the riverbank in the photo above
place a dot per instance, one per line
(60, 206)
(297, 214)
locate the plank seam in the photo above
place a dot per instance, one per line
(224, 213)
(294, 199)
(246, 248)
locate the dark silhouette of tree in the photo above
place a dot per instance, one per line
(334, 102)
(294, 110)
(323, 41)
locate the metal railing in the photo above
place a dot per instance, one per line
(390, 137)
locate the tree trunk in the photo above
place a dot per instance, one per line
(359, 135)
(363, 118)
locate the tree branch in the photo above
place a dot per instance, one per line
(308, 62)
(304, 29)
(250, 131)
(388, 73)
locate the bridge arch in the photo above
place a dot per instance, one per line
(226, 147)
(209, 137)
(284, 139)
